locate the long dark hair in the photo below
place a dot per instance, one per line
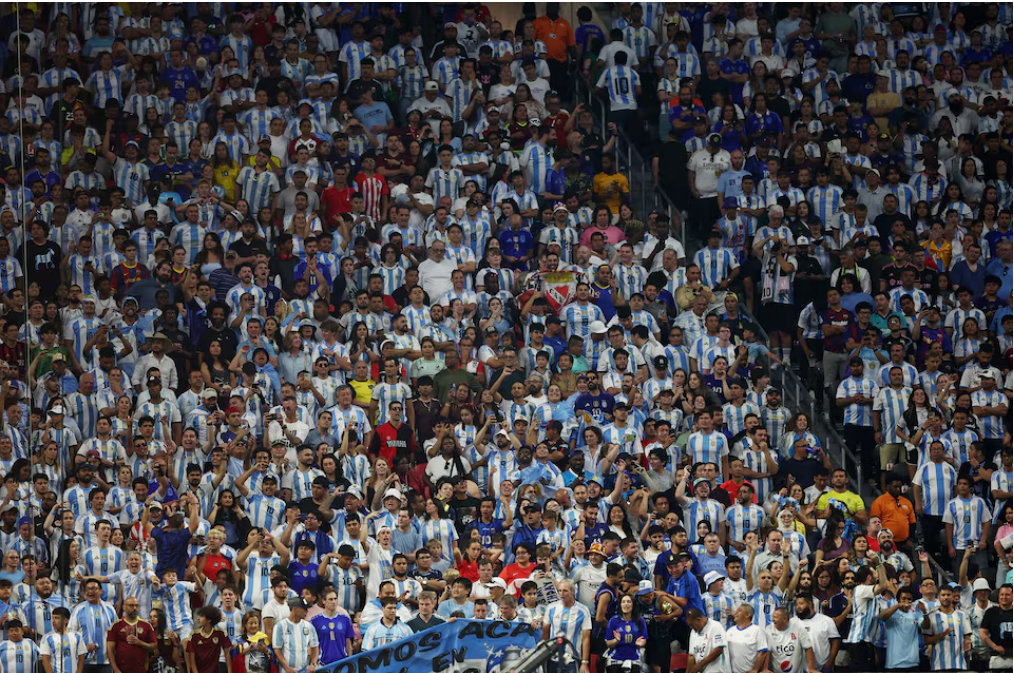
(63, 567)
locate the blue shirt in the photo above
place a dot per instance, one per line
(686, 586)
(516, 243)
(179, 80)
(332, 635)
(1003, 272)
(172, 550)
(377, 114)
(730, 182)
(903, 631)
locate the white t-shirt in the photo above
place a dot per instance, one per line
(788, 646)
(711, 638)
(744, 645)
(707, 167)
(822, 631)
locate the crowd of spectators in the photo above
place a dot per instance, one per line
(326, 323)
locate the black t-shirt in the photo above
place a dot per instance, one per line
(465, 511)
(891, 274)
(999, 624)
(44, 266)
(226, 338)
(803, 470)
(927, 280)
(488, 75)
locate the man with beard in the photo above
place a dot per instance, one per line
(144, 290)
(218, 330)
(824, 637)
(596, 402)
(131, 640)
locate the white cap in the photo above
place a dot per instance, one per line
(431, 86)
(392, 493)
(498, 582)
(711, 578)
(874, 171)
(597, 327)
(981, 584)
(788, 73)
(802, 240)
(645, 587)
(503, 432)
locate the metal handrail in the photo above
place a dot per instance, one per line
(824, 431)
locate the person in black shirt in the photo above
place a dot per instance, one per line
(450, 37)
(218, 330)
(487, 71)
(250, 244)
(44, 257)
(996, 628)
(465, 506)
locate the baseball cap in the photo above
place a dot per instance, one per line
(644, 588)
(802, 240)
(154, 380)
(392, 493)
(155, 505)
(559, 206)
(431, 86)
(498, 582)
(730, 202)
(701, 480)
(787, 73)
(296, 602)
(712, 577)
(714, 139)
(209, 394)
(597, 327)
(884, 136)
(25, 520)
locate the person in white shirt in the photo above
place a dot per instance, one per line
(746, 642)
(708, 645)
(824, 636)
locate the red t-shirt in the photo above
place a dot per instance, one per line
(212, 563)
(335, 201)
(514, 571)
(732, 488)
(207, 650)
(469, 571)
(131, 657)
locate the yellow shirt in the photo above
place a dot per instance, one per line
(225, 177)
(852, 501)
(363, 389)
(608, 193)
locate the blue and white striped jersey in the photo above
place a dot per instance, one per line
(857, 414)
(967, 517)
(296, 639)
(936, 482)
(93, 622)
(949, 654)
(620, 82)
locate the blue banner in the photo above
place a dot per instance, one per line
(463, 646)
